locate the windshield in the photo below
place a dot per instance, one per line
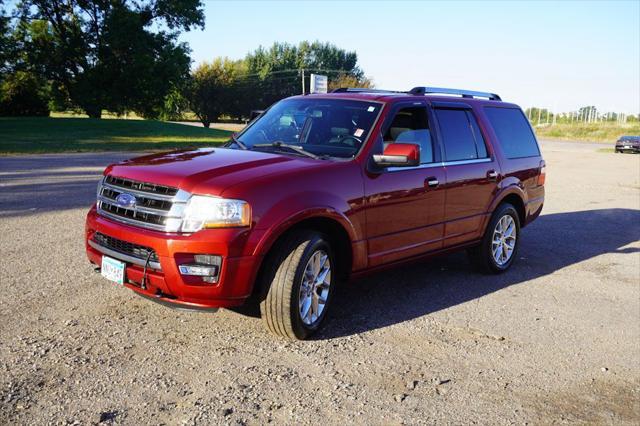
(323, 127)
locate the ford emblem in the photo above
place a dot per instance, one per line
(126, 200)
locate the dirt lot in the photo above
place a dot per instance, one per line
(554, 340)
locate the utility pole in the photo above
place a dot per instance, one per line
(302, 75)
(539, 114)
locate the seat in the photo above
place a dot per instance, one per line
(421, 137)
(401, 123)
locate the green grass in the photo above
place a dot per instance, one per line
(45, 135)
(590, 132)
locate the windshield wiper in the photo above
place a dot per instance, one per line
(294, 148)
(238, 142)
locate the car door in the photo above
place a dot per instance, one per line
(471, 172)
(405, 205)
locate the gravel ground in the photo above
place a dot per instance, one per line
(554, 340)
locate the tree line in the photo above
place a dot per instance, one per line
(585, 114)
(125, 56)
(234, 88)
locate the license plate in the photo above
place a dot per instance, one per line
(627, 147)
(113, 270)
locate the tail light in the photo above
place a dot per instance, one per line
(543, 173)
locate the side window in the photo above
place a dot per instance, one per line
(461, 135)
(410, 125)
(477, 134)
(513, 132)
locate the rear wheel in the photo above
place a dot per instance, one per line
(301, 285)
(499, 246)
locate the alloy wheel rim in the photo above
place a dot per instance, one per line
(315, 286)
(503, 242)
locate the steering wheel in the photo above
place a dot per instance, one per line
(264, 136)
(344, 138)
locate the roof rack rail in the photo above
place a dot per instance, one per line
(459, 92)
(363, 90)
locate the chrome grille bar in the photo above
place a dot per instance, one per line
(168, 218)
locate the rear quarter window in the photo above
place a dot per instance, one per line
(513, 131)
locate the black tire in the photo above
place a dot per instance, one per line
(482, 255)
(280, 306)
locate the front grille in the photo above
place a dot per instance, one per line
(124, 247)
(141, 200)
(156, 207)
(141, 186)
(133, 214)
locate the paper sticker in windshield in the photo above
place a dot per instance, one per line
(371, 109)
(358, 133)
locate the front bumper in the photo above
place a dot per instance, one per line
(628, 148)
(164, 283)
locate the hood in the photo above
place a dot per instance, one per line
(207, 171)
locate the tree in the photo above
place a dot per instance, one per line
(175, 105)
(265, 76)
(23, 94)
(276, 72)
(116, 55)
(6, 46)
(214, 89)
(346, 80)
(587, 113)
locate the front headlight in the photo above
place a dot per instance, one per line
(214, 212)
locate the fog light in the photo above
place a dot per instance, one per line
(207, 259)
(206, 266)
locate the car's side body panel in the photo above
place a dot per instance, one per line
(404, 216)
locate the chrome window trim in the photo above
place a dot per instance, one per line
(440, 164)
(124, 257)
(476, 160)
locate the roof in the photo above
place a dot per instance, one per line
(389, 97)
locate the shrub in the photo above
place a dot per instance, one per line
(23, 94)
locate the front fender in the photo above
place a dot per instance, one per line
(294, 209)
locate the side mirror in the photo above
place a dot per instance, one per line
(399, 155)
(255, 114)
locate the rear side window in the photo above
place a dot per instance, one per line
(461, 135)
(513, 132)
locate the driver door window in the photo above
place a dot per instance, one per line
(410, 125)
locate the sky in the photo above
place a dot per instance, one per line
(554, 54)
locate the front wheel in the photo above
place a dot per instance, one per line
(301, 285)
(499, 246)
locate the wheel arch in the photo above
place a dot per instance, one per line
(334, 226)
(516, 199)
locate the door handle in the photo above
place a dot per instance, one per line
(431, 182)
(492, 175)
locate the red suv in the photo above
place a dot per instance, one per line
(317, 189)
